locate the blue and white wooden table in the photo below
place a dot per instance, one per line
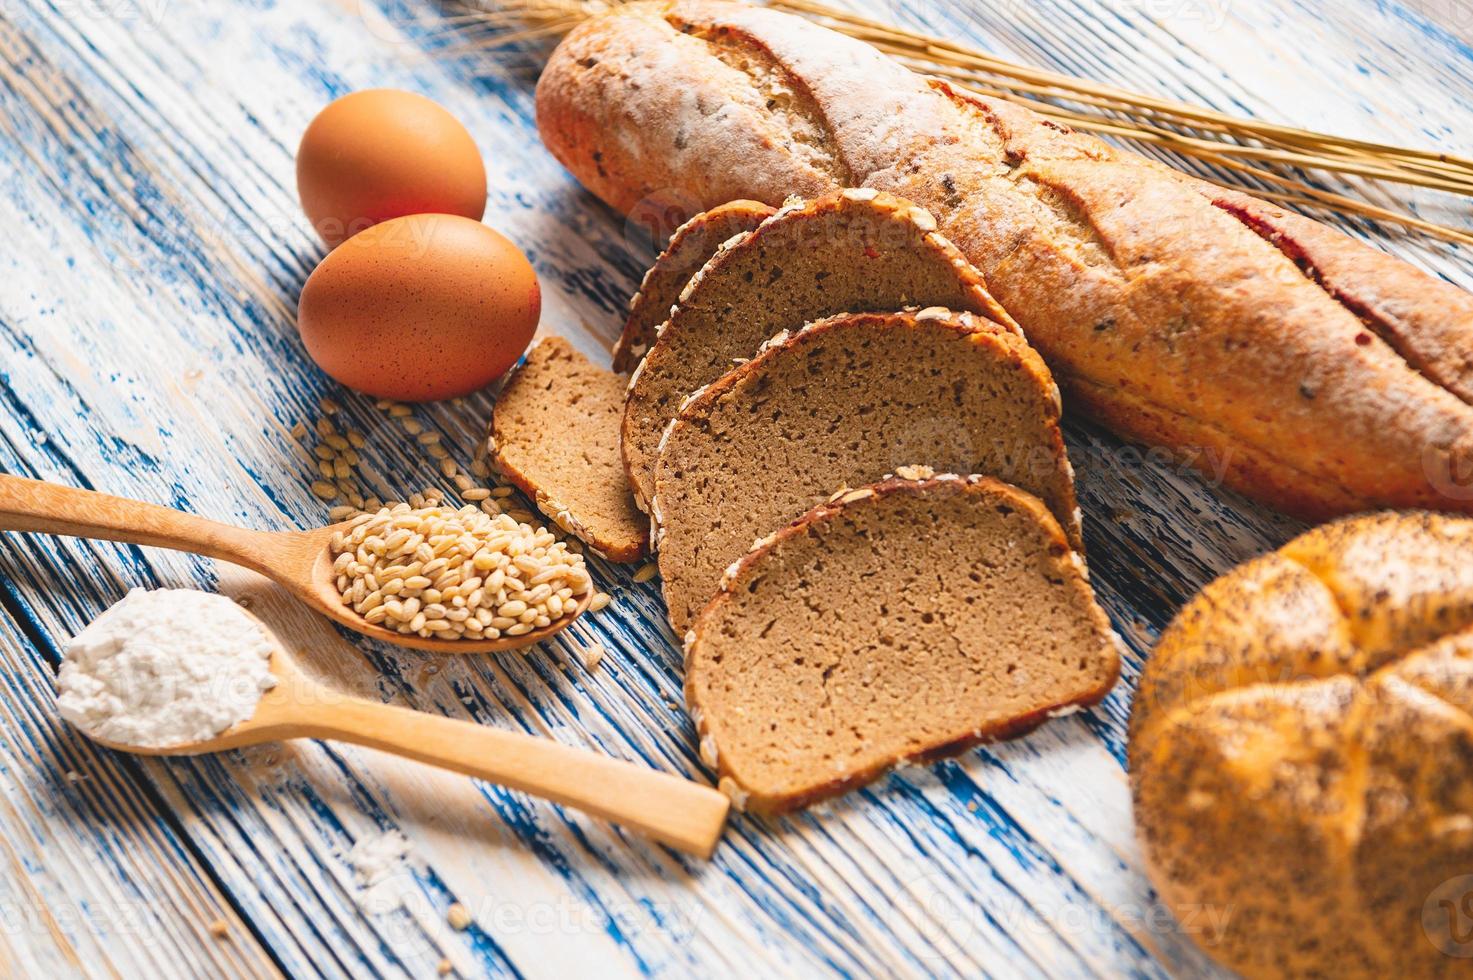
(151, 251)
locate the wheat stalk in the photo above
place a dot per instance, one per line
(1269, 152)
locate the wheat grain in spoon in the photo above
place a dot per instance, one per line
(299, 561)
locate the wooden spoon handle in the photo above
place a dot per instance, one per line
(672, 810)
(34, 505)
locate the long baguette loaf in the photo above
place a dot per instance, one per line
(1317, 374)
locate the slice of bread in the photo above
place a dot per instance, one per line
(850, 252)
(843, 402)
(555, 434)
(904, 622)
(690, 247)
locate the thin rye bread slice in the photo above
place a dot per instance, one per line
(904, 622)
(690, 247)
(842, 403)
(852, 251)
(555, 434)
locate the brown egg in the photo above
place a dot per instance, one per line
(380, 154)
(420, 308)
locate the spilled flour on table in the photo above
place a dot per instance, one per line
(377, 856)
(386, 873)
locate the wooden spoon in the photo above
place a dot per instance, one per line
(672, 810)
(300, 561)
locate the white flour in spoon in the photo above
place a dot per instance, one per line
(165, 667)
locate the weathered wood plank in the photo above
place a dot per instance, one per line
(147, 348)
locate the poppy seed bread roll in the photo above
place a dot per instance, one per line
(1301, 754)
(901, 623)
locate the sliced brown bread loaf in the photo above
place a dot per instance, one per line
(849, 252)
(690, 247)
(842, 403)
(555, 434)
(1319, 375)
(906, 621)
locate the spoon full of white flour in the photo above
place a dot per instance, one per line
(164, 668)
(179, 672)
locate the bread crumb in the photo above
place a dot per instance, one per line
(220, 929)
(444, 967)
(458, 917)
(735, 793)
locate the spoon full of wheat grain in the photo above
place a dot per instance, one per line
(303, 562)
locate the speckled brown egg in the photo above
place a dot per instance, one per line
(420, 308)
(380, 154)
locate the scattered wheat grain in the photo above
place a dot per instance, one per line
(458, 917)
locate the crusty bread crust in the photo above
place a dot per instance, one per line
(690, 247)
(1426, 320)
(1301, 751)
(1340, 375)
(1067, 567)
